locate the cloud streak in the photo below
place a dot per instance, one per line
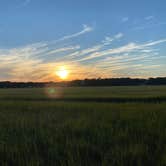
(131, 47)
(86, 29)
(39, 61)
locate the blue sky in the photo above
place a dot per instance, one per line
(96, 38)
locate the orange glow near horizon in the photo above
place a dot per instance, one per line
(62, 73)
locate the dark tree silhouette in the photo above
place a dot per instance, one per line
(87, 82)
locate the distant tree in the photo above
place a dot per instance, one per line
(87, 82)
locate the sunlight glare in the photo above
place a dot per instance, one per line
(62, 73)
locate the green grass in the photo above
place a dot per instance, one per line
(85, 92)
(43, 132)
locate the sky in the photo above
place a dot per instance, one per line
(89, 38)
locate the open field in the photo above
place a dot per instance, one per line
(36, 129)
(130, 92)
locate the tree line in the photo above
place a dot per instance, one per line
(88, 82)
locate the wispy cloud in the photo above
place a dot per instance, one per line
(131, 47)
(39, 61)
(119, 35)
(85, 30)
(33, 63)
(108, 40)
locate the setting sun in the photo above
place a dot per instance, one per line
(62, 73)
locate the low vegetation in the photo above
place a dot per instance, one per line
(38, 130)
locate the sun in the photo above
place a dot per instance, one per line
(62, 73)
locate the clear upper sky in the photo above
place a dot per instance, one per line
(91, 38)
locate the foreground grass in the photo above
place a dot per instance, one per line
(75, 134)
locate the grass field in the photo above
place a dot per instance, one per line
(39, 128)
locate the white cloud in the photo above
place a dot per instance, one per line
(85, 30)
(124, 49)
(155, 42)
(84, 52)
(119, 35)
(38, 61)
(108, 40)
(131, 47)
(64, 49)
